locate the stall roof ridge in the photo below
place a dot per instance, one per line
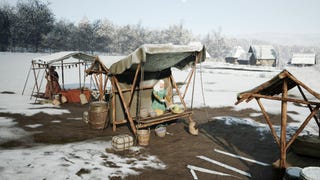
(274, 87)
(60, 56)
(157, 57)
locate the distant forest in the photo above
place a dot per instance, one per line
(30, 26)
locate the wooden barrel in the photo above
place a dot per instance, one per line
(143, 137)
(98, 114)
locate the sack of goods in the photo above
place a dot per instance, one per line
(122, 142)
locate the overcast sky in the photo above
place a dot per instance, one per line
(200, 16)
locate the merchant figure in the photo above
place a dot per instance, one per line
(159, 97)
(53, 86)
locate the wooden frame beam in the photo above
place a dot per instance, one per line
(267, 118)
(127, 111)
(306, 121)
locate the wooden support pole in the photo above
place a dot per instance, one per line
(79, 75)
(188, 83)
(113, 105)
(284, 99)
(134, 84)
(134, 130)
(177, 89)
(105, 83)
(35, 80)
(283, 133)
(62, 74)
(310, 108)
(267, 118)
(303, 125)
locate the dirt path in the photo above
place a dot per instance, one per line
(176, 150)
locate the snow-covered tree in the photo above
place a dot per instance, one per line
(33, 21)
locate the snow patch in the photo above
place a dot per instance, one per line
(34, 125)
(83, 160)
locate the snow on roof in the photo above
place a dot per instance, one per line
(109, 60)
(157, 57)
(236, 52)
(245, 56)
(263, 51)
(303, 58)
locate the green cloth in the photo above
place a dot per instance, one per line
(158, 96)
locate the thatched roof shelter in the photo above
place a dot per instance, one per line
(281, 84)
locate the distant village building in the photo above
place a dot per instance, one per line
(244, 59)
(263, 55)
(303, 59)
(234, 55)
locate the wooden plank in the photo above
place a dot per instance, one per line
(165, 116)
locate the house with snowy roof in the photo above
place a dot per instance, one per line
(303, 59)
(244, 58)
(263, 55)
(234, 54)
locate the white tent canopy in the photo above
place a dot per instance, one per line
(71, 56)
(75, 60)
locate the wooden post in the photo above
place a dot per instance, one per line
(283, 140)
(113, 105)
(35, 80)
(303, 125)
(134, 84)
(310, 108)
(188, 83)
(125, 105)
(79, 75)
(176, 87)
(62, 74)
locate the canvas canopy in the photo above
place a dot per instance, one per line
(64, 60)
(158, 57)
(134, 77)
(60, 56)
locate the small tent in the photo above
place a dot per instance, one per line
(63, 61)
(133, 77)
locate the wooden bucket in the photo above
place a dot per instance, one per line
(98, 114)
(143, 137)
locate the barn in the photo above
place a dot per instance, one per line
(303, 59)
(263, 55)
(234, 55)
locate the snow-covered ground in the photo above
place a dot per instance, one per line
(217, 85)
